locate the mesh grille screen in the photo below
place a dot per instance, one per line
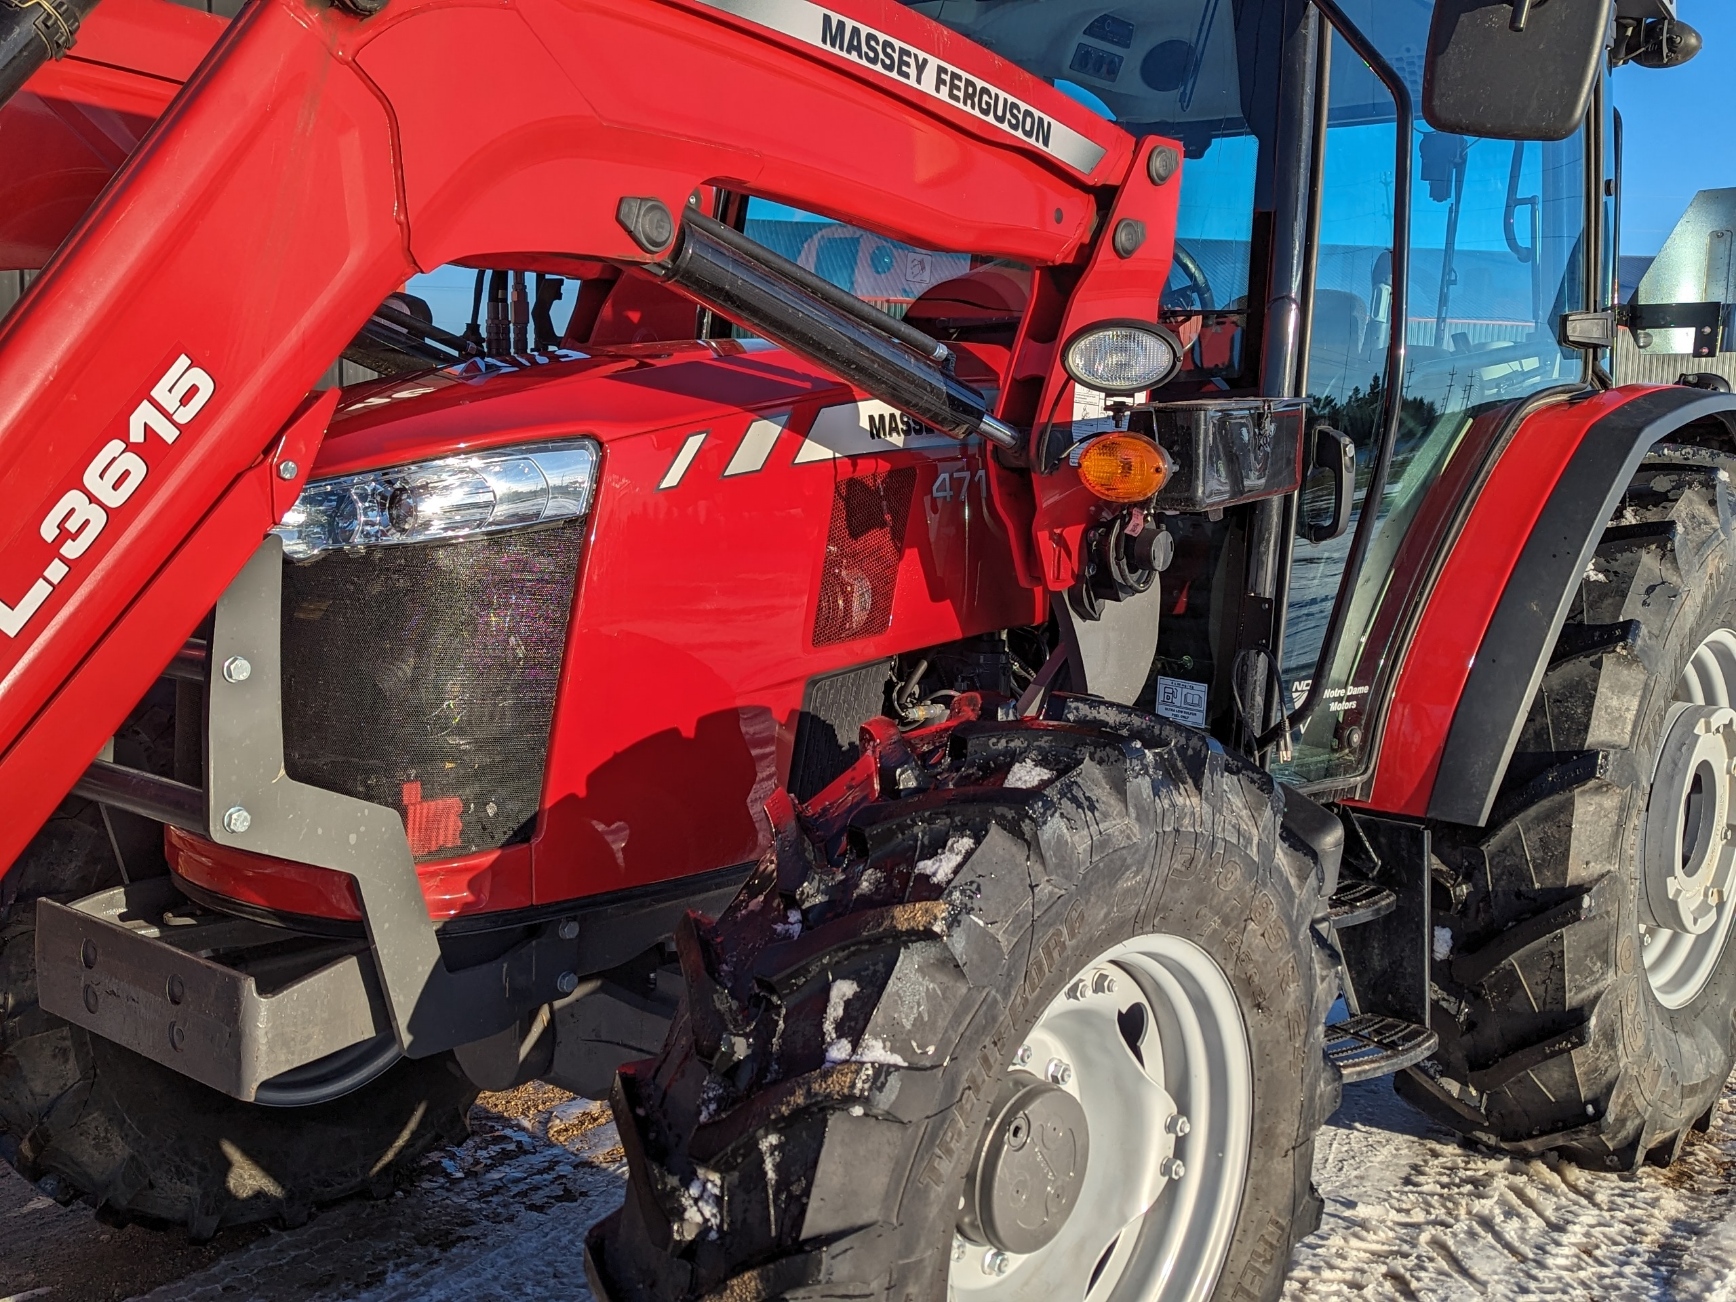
(863, 545)
(423, 678)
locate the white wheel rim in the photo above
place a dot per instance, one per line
(1687, 854)
(1141, 1231)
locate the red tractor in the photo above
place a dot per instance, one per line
(986, 562)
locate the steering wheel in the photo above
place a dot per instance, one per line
(1195, 293)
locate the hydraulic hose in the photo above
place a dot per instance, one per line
(31, 33)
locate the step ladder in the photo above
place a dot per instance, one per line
(1367, 1045)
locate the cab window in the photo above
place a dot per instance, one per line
(1497, 255)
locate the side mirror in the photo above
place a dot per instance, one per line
(1513, 69)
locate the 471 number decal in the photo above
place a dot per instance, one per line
(112, 477)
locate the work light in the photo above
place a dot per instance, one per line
(1122, 357)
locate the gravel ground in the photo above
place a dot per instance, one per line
(1411, 1214)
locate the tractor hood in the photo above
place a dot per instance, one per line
(607, 394)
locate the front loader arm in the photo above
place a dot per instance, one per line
(317, 160)
(74, 122)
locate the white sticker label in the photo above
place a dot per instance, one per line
(856, 429)
(897, 61)
(1093, 404)
(1182, 701)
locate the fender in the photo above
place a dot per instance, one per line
(1481, 649)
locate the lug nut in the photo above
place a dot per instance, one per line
(1171, 1168)
(237, 819)
(996, 1262)
(1059, 1073)
(237, 670)
(1023, 1056)
(958, 1248)
(567, 982)
(1102, 983)
(1178, 1124)
(1078, 989)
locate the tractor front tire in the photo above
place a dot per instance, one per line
(1571, 1019)
(85, 1118)
(1033, 1010)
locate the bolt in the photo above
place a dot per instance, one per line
(1178, 1124)
(177, 1036)
(1023, 1056)
(90, 1000)
(958, 1248)
(1102, 983)
(1059, 1073)
(237, 670)
(1078, 989)
(567, 982)
(1161, 164)
(1171, 1168)
(177, 989)
(996, 1262)
(287, 470)
(569, 929)
(237, 819)
(87, 952)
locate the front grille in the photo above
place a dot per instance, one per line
(423, 678)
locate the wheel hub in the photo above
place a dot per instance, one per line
(1030, 1167)
(1147, 1041)
(1689, 851)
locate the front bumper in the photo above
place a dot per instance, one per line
(231, 1003)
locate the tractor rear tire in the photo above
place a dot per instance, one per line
(85, 1118)
(859, 1024)
(1564, 1023)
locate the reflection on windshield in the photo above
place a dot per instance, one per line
(1165, 67)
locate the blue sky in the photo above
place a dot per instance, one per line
(1679, 132)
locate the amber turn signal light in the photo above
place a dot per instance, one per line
(1123, 467)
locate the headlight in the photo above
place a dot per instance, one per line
(1122, 357)
(452, 497)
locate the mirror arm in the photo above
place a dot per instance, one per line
(1519, 251)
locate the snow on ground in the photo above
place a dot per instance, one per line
(1410, 1214)
(1413, 1213)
